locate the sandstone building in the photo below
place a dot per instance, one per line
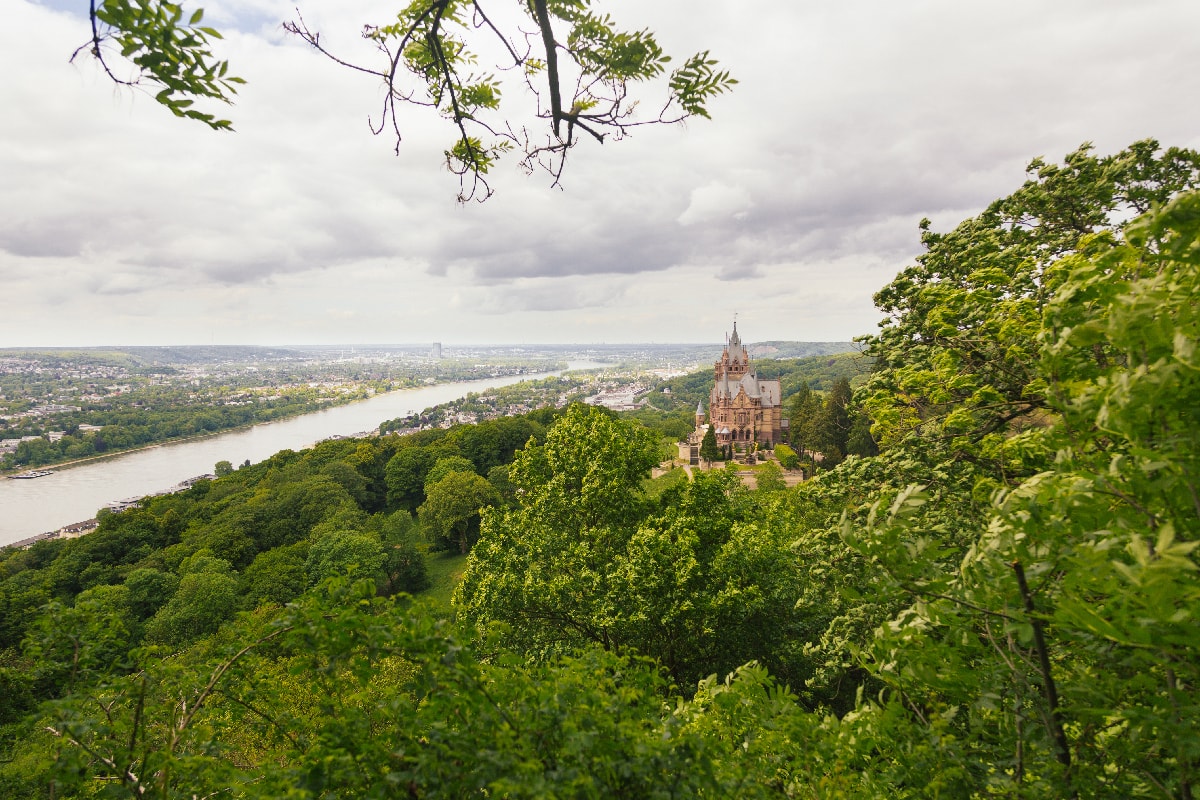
(742, 409)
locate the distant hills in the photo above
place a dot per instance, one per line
(679, 353)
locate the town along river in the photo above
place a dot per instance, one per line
(73, 494)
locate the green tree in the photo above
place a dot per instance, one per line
(831, 429)
(589, 471)
(684, 584)
(404, 564)
(451, 511)
(1063, 621)
(859, 441)
(580, 499)
(709, 451)
(203, 601)
(277, 576)
(444, 466)
(75, 645)
(223, 468)
(149, 589)
(770, 478)
(956, 355)
(787, 457)
(381, 679)
(804, 408)
(167, 53)
(498, 477)
(405, 475)
(354, 482)
(493, 442)
(343, 545)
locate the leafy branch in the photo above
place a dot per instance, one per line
(168, 54)
(581, 82)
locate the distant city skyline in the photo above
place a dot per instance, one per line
(793, 205)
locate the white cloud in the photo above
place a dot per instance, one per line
(716, 202)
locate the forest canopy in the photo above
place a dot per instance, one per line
(1001, 602)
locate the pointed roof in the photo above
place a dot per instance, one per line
(699, 407)
(735, 341)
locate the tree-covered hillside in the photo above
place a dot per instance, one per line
(1001, 603)
(819, 372)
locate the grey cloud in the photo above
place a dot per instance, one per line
(611, 244)
(738, 272)
(42, 238)
(552, 295)
(121, 282)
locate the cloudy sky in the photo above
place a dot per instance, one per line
(120, 224)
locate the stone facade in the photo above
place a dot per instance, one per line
(743, 409)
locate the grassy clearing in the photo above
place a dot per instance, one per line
(654, 487)
(445, 571)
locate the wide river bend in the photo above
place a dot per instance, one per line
(74, 494)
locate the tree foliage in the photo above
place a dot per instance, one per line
(452, 507)
(708, 446)
(393, 698)
(581, 69)
(804, 410)
(1067, 623)
(997, 604)
(587, 559)
(577, 64)
(770, 478)
(444, 466)
(959, 346)
(165, 52)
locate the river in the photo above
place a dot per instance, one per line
(73, 494)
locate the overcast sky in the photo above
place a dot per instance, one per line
(120, 224)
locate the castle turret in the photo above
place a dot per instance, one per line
(735, 359)
(700, 415)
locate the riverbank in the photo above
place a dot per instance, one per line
(178, 440)
(75, 493)
(126, 412)
(172, 440)
(195, 437)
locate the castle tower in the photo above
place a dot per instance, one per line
(735, 359)
(700, 415)
(744, 411)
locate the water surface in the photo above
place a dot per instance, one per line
(73, 494)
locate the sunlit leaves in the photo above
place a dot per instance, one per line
(960, 340)
(1106, 537)
(697, 81)
(166, 52)
(612, 55)
(450, 513)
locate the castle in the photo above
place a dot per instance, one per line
(742, 409)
